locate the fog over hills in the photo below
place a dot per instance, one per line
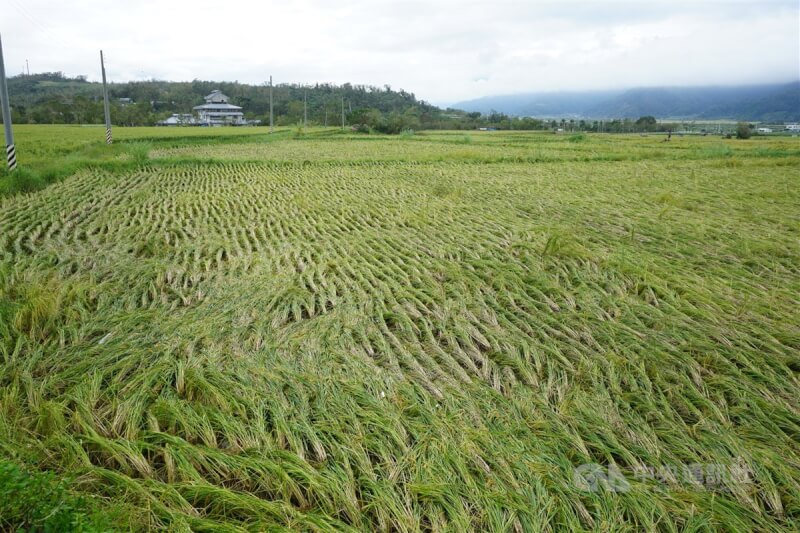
(765, 103)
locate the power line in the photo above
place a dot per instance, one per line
(36, 21)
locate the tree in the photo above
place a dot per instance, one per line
(743, 130)
(646, 123)
(369, 118)
(294, 111)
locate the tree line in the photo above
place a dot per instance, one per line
(53, 98)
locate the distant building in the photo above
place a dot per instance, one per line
(215, 112)
(764, 130)
(218, 112)
(185, 119)
(793, 127)
(125, 101)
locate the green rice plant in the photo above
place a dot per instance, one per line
(299, 131)
(140, 152)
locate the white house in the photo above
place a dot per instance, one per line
(184, 119)
(764, 130)
(218, 112)
(793, 127)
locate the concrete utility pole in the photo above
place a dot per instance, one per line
(305, 107)
(342, 113)
(11, 152)
(106, 108)
(27, 67)
(270, 104)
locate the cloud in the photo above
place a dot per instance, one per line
(443, 50)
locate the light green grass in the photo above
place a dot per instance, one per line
(384, 334)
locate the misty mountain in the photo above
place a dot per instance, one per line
(767, 103)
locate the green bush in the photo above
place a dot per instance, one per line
(140, 152)
(40, 502)
(743, 130)
(24, 179)
(20, 180)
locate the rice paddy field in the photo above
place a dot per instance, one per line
(227, 330)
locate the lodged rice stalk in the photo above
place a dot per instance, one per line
(425, 336)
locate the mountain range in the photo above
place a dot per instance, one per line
(763, 103)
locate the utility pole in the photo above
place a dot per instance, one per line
(305, 108)
(342, 113)
(11, 152)
(106, 108)
(27, 67)
(270, 104)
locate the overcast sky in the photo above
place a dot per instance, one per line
(444, 51)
